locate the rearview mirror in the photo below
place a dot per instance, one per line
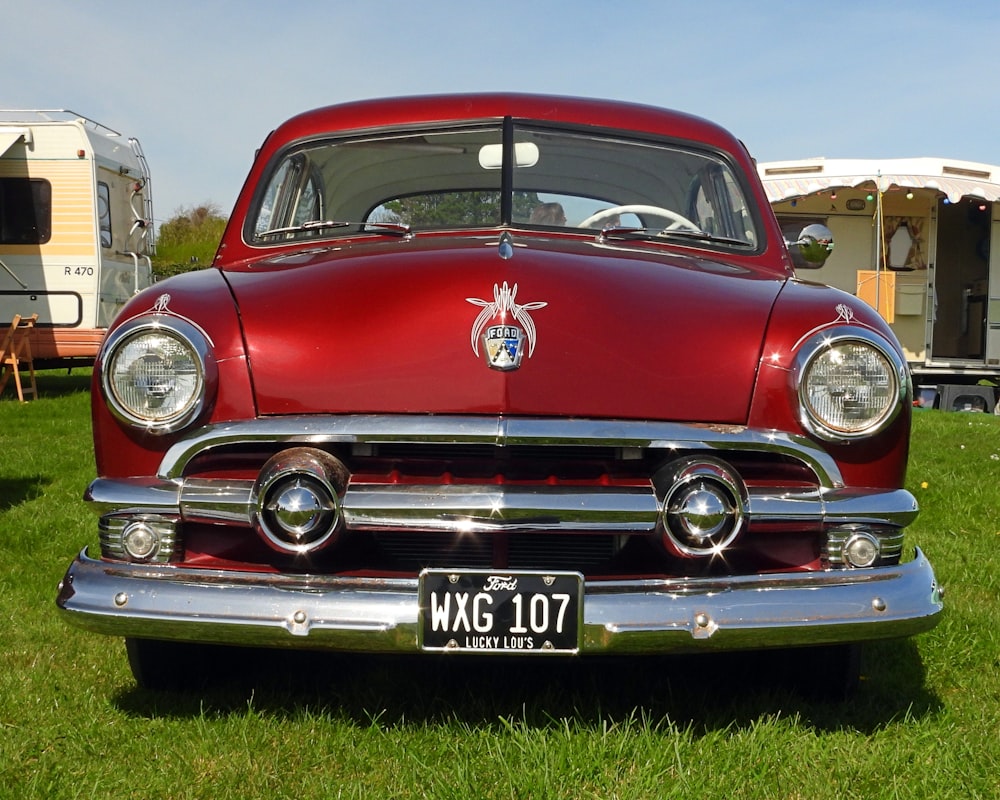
(525, 155)
(815, 244)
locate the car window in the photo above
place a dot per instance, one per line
(468, 176)
(601, 179)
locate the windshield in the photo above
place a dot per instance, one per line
(475, 177)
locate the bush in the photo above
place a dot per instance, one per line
(188, 240)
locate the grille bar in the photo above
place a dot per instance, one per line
(472, 507)
(465, 508)
(373, 430)
(551, 551)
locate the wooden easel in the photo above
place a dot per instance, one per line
(15, 351)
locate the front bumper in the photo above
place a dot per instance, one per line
(378, 615)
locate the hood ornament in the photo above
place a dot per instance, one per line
(505, 247)
(503, 341)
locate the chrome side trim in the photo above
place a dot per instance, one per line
(381, 615)
(491, 507)
(229, 502)
(499, 431)
(134, 494)
(895, 507)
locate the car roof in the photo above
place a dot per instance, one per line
(427, 109)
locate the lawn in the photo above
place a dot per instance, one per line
(72, 723)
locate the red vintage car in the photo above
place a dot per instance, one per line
(501, 374)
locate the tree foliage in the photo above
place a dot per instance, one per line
(459, 208)
(188, 240)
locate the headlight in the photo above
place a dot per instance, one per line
(850, 384)
(155, 374)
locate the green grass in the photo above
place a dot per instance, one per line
(72, 723)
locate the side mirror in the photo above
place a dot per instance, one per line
(815, 244)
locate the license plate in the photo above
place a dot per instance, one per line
(500, 611)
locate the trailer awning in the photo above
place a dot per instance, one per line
(10, 135)
(785, 180)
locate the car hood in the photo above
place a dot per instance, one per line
(610, 330)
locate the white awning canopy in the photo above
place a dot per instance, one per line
(785, 180)
(10, 135)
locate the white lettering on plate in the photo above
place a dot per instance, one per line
(482, 642)
(439, 612)
(480, 621)
(495, 583)
(498, 642)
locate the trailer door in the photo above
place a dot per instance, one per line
(961, 281)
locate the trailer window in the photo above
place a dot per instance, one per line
(104, 212)
(25, 211)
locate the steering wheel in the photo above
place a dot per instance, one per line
(677, 220)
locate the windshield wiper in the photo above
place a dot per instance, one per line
(702, 236)
(399, 228)
(632, 232)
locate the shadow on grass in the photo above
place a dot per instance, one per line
(61, 382)
(14, 491)
(701, 693)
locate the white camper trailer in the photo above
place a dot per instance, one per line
(912, 238)
(76, 232)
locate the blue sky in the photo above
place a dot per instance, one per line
(201, 83)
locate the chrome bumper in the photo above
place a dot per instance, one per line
(381, 615)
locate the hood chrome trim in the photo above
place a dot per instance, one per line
(499, 431)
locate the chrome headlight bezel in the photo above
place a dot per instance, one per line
(202, 376)
(895, 389)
